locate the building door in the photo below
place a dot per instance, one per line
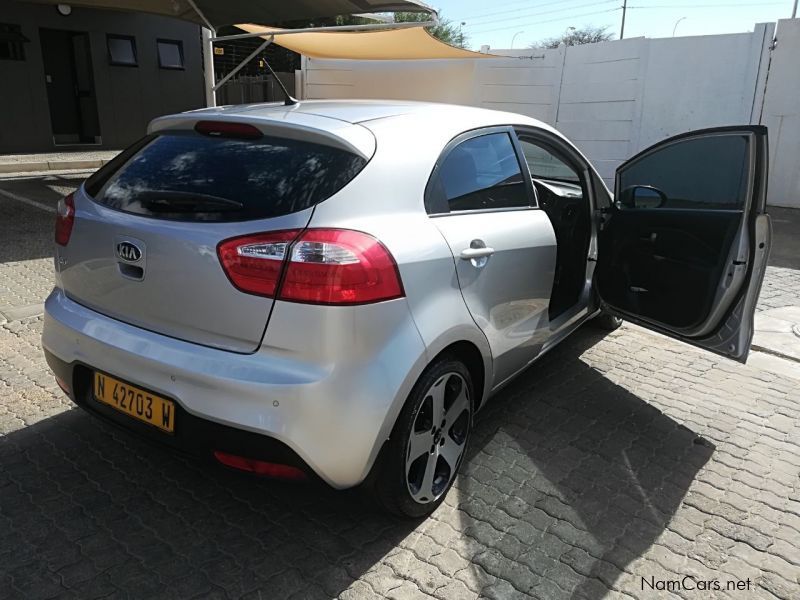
(70, 87)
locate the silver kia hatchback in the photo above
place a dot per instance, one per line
(334, 289)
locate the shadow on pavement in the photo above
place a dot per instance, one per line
(590, 476)
(570, 478)
(102, 511)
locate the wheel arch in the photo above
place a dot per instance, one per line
(476, 356)
(471, 356)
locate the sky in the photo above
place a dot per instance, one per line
(495, 23)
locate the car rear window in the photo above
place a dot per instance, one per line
(192, 177)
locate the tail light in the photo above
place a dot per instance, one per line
(339, 266)
(65, 218)
(321, 266)
(253, 263)
(228, 129)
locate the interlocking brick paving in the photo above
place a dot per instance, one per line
(614, 458)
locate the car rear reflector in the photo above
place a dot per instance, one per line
(253, 263)
(340, 266)
(321, 266)
(65, 219)
(62, 384)
(228, 129)
(260, 467)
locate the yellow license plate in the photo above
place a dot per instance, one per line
(135, 402)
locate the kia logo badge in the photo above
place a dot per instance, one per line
(128, 252)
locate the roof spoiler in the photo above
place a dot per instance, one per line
(302, 126)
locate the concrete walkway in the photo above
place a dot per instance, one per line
(55, 161)
(778, 332)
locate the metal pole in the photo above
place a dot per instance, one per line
(514, 37)
(208, 67)
(794, 9)
(208, 46)
(624, 12)
(208, 55)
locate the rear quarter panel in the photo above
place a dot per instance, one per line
(386, 201)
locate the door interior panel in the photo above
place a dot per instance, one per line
(568, 210)
(683, 249)
(665, 264)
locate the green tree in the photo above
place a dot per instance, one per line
(349, 20)
(445, 30)
(587, 34)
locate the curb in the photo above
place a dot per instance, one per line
(52, 165)
(17, 313)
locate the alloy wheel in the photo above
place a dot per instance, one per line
(438, 438)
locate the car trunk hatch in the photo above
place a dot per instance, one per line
(143, 248)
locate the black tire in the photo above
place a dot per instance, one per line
(390, 487)
(606, 322)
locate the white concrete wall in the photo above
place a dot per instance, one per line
(781, 113)
(527, 84)
(618, 98)
(450, 81)
(600, 101)
(704, 81)
(611, 99)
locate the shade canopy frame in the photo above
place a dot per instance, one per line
(217, 13)
(213, 14)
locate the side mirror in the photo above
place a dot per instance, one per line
(642, 196)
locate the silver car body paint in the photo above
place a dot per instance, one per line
(329, 381)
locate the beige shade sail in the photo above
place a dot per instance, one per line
(228, 12)
(393, 44)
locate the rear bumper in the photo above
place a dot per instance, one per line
(328, 410)
(195, 436)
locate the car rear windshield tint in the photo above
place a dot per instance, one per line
(191, 177)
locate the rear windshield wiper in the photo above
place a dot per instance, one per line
(165, 201)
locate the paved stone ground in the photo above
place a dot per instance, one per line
(57, 156)
(613, 459)
(781, 288)
(26, 237)
(16, 163)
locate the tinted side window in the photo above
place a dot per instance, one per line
(483, 173)
(700, 173)
(190, 177)
(543, 164)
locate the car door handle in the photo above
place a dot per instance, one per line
(470, 253)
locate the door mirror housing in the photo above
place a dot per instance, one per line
(642, 196)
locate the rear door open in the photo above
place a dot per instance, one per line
(143, 249)
(684, 247)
